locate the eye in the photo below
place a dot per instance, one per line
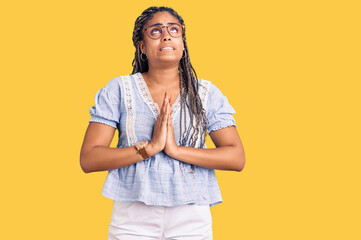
(174, 29)
(155, 31)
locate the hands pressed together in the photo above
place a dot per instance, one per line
(163, 131)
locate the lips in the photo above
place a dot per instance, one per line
(166, 48)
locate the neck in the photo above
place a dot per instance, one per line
(162, 76)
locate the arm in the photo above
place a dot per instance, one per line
(96, 155)
(228, 154)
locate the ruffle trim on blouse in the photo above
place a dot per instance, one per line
(147, 97)
(221, 125)
(103, 121)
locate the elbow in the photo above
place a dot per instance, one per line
(240, 162)
(237, 159)
(85, 170)
(83, 164)
(239, 168)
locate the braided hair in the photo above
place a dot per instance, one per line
(188, 81)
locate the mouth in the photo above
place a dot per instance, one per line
(164, 49)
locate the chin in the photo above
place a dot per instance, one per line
(169, 59)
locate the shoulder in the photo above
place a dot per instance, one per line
(209, 92)
(203, 83)
(209, 88)
(115, 85)
(204, 86)
(115, 82)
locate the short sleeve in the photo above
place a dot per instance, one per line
(107, 105)
(220, 112)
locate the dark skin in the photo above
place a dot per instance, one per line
(163, 83)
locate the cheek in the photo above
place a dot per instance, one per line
(152, 49)
(149, 46)
(180, 46)
(181, 52)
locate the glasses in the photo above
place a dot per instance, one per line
(156, 31)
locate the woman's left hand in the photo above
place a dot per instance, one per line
(171, 146)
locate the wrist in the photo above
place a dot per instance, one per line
(174, 151)
(152, 149)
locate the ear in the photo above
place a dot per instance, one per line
(142, 46)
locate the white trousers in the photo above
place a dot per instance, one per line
(137, 221)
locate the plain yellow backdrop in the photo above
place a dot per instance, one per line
(291, 70)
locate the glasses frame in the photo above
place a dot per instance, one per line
(164, 26)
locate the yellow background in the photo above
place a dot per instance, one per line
(291, 69)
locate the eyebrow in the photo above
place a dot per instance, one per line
(159, 24)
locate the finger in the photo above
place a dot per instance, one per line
(164, 102)
(165, 115)
(165, 123)
(167, 106)
(165, 110)
(169, 122)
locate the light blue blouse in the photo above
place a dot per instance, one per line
(125, 103)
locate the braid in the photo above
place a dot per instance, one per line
(188, 82)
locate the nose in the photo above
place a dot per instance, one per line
(166, 36)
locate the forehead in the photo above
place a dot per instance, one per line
(163, 18)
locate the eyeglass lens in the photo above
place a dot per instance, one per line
(156, 32)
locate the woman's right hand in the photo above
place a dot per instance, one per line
(159, 138)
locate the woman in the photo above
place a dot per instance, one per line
(161, 176)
